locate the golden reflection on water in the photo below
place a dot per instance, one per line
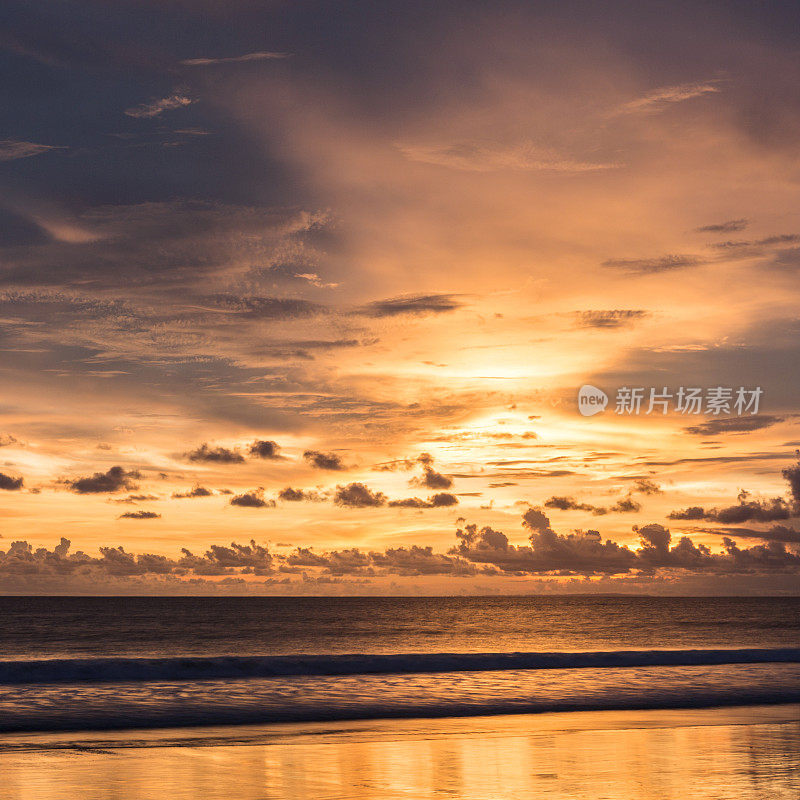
(741, 754)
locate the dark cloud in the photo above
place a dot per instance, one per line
(252, 499)
(215, 455)
(792, 476)
(416, 560)
(137, 498)
(336, 562)
(746, 510)
(6, 439)
(621, 506)
(291, 495)
(139, 515)
(646, 486)
(264, 449)
(329, 461)
(115, 480)
(564, 503)
(649, 266)
(777, 533)
(357, 495)
(714, 427)
(414, 304)
(10, 484)
(575, 553)
(440, 500)
(196, 491)
(431, 479)
(731, 226)
(615, 318)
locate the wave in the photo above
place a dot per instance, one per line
(219, 714)
(116, 670)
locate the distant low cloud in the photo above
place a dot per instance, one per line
(246, 57)
(320, 460)
(731, 226)
(413, 304)
(139, 515)
(215, 455)
(715, 427)
(156, 107)
(648, 266)
(114, 480)
(10, 484)
(13, 149)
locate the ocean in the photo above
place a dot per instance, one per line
(75, 663)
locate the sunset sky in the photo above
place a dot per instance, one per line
(328, 277)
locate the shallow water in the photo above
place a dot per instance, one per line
(748, 753)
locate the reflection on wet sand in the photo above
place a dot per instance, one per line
(741, 754)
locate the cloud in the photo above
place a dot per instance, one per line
(659, 99)
(646, 486)
(715, 427)
(439, 500)
(252, 499)
(652, 266)
(266, 307)
(357, 495)
(491, 156)
(10, 484)
(431, 479)
(139, 515)
(622, 506)
(115, 480)
(792, 476)
(246, 57)
(262, 448)
(411, 304)
(745, 510)
(777, 533)
(197, 491)
(575, 553)
(156, 107)
(215, 455)
(615, 318)
(417, 560)
(137, 498)
(6, 440)
(13, 149)
(291, 495)
(329, 461)
(731, 226)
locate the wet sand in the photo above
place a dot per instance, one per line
(742, 753)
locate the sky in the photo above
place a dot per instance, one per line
(297, 298)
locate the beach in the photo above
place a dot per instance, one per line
(739, 753)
